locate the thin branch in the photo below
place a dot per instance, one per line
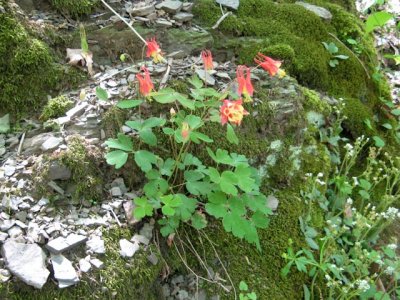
(361, 63)
(221, 19)
(123, 20)
(21, 143)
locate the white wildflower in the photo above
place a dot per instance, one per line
(363, 285)
(389, 270)
(349, 201)
(392, 246)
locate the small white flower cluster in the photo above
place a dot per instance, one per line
(349, 201)
(389, 270)
(391, 213)
(349, 148)
(363, 285)
(392, 246)
(318, 180)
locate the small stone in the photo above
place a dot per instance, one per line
(51, 143)
(183, 17)
(43, 202)
(96, 245)
(153, 259)
(3, 237)
(77, 110)
(147, 231)
(84, 265)
(6, 224)
(15, 232)
(27, 262)
(128, 249)
(234, 4)
(128, 208)
(140, 239)
(9, 170)
(182, 295)
(187, 6)
(62, 244)
(5, 275)
(34, 144)
(116, 191)
(163, 23)
(64, 272)
(170, 6)
(55, 187)
(58, 171)
(272, 202)
(318, 10)
(97, 263)
(21, 215)
(141, 11)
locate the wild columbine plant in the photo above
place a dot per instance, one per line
(179, 186)
(270, 65)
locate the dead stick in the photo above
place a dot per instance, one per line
(221, 19)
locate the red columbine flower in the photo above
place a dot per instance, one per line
(154, 51)
(245, 87)
(206, 56)
(232, 111)
(270, 65)
(145, 83)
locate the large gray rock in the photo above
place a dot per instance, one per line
(318, 10)
(183, 17)
(64, 272)
(141, 11)
(234, 4)
(51, 143)
(27, 262)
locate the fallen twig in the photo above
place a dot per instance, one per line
(221, 19)
(21, 142)
(164, 80)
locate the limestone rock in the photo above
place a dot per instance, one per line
(27, 262)
(128, 249)
(64, 272)
(33, 144)
(170, 6)
(62, 244)
(51, 143)
(141, 11)
(96, 245)
(234, 4)
(183, 17)
(318, 10)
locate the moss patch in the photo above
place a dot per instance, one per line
(75, 8)
(290, 32)
(56, 107)
(26, 68)
(120, 278)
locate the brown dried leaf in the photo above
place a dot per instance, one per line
(76, 57)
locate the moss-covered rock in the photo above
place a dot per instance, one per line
(120, 278)
(83, 161)
(56, 107)
(28, 68)
(75, 8)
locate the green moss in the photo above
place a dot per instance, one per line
(56, 107)
(315, 103)
(26, 68)
(356, 114)
(83, 164)
(112, 121)
(297, 34)
(120, 278)
(75, 7)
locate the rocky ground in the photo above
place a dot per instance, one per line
(58, 237)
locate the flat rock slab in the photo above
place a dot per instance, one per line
(170, 6)
(62, 244)
(141, 11)
(51, 143)
(64, 272)
(318, 10)
(183, 17)
(128, 249)
(27, 262)
(234, 4)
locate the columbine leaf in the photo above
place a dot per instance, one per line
(129, 103)
(145, 159)
(376, 20)
(185, 211)
(143, 208)
(192, 175)
(243, 174)
(230, 135)
(196, 82)
(260, 220)
(196, 136)
(153, 122)
(117, 158)
(217, 204)
(227, 183)
(198, 187)
(123, 142)
(243, 286)
(148, 136)
(101, 93)
(396, 112)
(194, 122)
(156, 187)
